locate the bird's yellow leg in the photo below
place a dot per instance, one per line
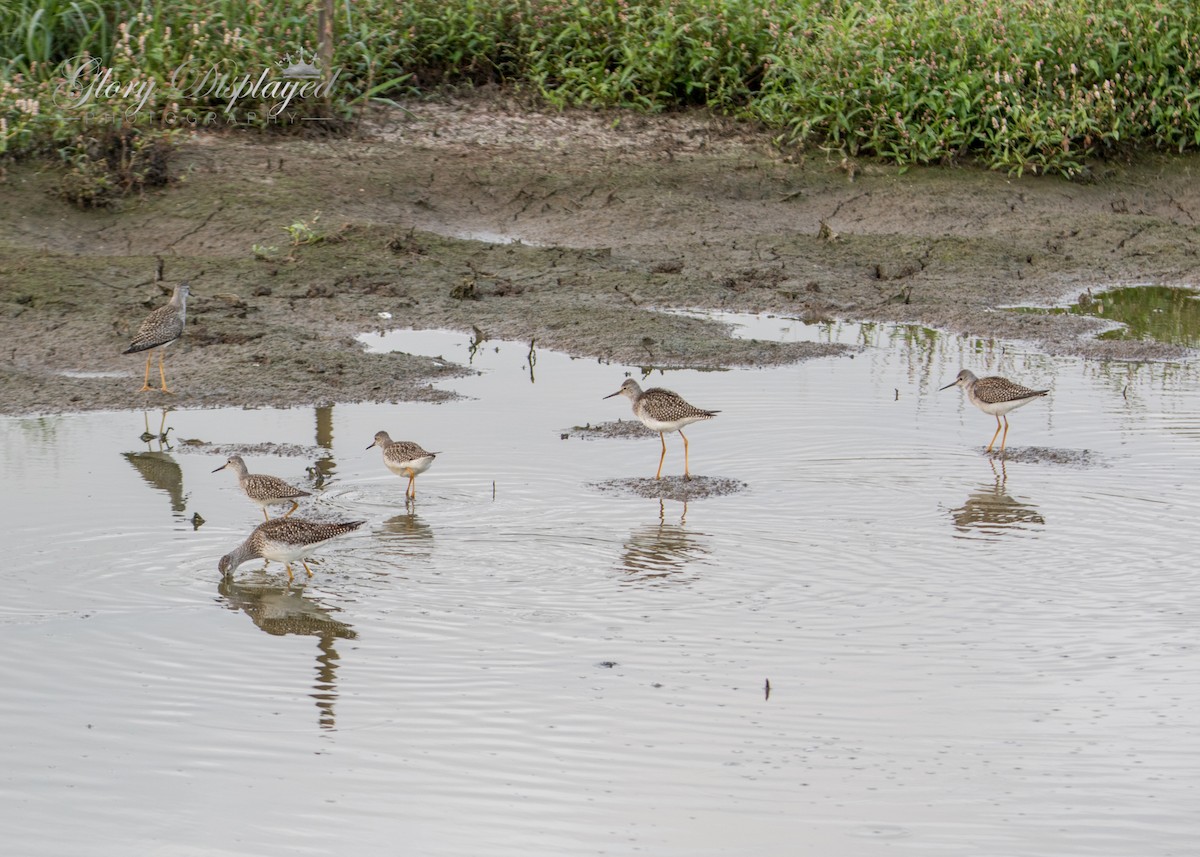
(266, 517)
(306, 568)
(412, 485)
(295, 506)
(686, 473)
(993, 440)
(1004, 437)
(146, 383)
(288, 566)
(663, 457)
(162, 372)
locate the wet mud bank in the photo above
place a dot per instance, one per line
(566, 230)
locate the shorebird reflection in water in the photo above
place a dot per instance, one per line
(663, 411)
(157, 466)
(282, 610)
(284, 540)
(658, 553)
(158, 330)
(163, 430)
(991, 509)
(264, 490)
(996, 396)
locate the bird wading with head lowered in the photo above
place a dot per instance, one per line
(284, 540)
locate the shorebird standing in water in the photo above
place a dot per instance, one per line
(160, 329)
(663, 411)
(404, 458)
(996, 396)
(264, 490)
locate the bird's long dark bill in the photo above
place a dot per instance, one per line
(370, 446)
(610, 395)
(948, 386)
(219, 469)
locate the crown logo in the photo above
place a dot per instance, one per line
(301, 69)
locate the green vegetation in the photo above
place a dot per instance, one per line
(1019, 85)
(1158, 313)
(305, 231)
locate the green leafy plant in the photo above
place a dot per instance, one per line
(1018, 85)
(304, 231)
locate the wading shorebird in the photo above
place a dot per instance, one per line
(160, 329)
(663, 411)
(996, 396)
(404, 458)
(264, 490)
(284, 540)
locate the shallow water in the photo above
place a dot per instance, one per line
(964, 655)
(1145, 313)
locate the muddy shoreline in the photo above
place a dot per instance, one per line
(565, 230)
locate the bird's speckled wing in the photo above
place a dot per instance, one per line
(401, 451)
(291, 531)
(160, 327)
(262, 487)
(996, 390)
(666, 406)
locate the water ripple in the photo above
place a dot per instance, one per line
(962, 651)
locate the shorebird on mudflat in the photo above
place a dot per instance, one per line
(663, 411)
(996, 396)
(158, 330)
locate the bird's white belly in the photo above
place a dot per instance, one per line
(658, 425)
(285, 552)
(997, 409)
(412, 465)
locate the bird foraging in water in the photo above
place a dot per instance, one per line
(264, 490)
(996, 396)
(160, 329)
(284, 540)
(404, 458)
(663, 411)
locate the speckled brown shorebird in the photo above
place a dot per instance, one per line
(663, 411)
(160, 329)
(996, 396)
(404, 458)
(284, 540)
(264, 490)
